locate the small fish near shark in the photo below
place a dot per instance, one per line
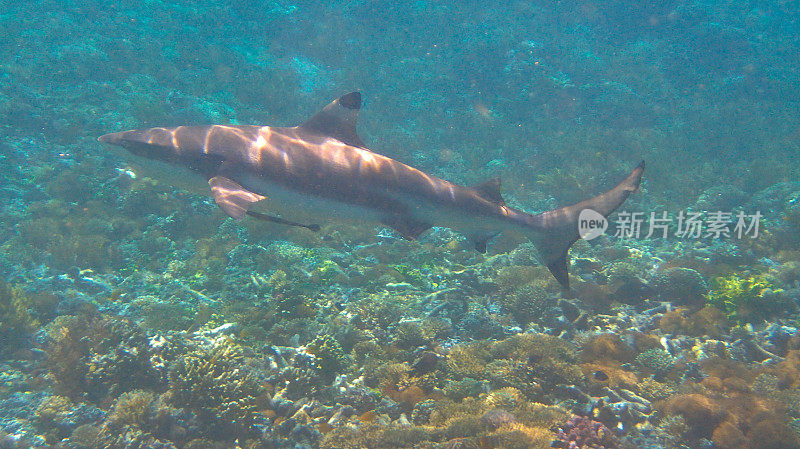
(323, 170)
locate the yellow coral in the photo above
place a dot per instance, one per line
(518, 435)
(506, 398)
(21, 312)
(449, 413)
(522, 346)
(540, 415)
(217, 385)
(468, 360)
(53, 407)
(132, 408)
(742, 298)
(653, 390)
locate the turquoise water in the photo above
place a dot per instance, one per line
(135, 314)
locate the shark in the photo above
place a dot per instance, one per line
(321, 171)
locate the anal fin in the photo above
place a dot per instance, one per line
(234, 199)
(409, 227)
(490, 191)
(481, 240)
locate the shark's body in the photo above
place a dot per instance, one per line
(321, 170)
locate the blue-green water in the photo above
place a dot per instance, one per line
(137, 315)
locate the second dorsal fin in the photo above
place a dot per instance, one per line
(490, 190)
(337, 120)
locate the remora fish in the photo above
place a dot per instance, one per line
(322, 169)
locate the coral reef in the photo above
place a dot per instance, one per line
(98, 356)
(582, 432)
(329, 357)
(134, 314)
(216, 385)
(680, 286)
(747, 299)
(21, 313)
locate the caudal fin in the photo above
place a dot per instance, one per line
(557, 229)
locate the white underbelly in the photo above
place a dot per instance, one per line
(174, 175)
(302, 207)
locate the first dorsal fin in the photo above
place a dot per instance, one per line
(337, 120)
(490, 190)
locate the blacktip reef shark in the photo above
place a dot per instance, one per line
(322, 170)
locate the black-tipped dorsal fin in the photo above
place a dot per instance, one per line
(490, 190)
(337, 120)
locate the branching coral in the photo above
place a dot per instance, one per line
(214, 384)
(329, 358)
(468, 360)
(413, 333)
(376, 436)
(656, 361)
(540, 358)
(526, 362)
(709, 321)
(98, 356)
(132, 409)
(527, 303)
(21, 313)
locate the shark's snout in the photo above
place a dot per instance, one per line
(114, 138)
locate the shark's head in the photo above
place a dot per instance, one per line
(146, 144)
(157, 154)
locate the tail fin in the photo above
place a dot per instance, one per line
(558, 228)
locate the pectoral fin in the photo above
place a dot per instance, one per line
(231, 197)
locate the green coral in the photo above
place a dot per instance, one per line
(49, 414)
(625, 281)
(288, 299)
(21, 313)
(329, 357)
(765, 384)
(654, 390)
(513, 277)
(656, 360)
(527, 303)
(411, 275)
(132, 409)
(376, 435)
(328, 271)
(67, 235)
(680, 285)
(216, 384)
(420, 332)
(527, 362)
(460, 389)
(745, 299)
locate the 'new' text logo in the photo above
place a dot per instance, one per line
(591, 224)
